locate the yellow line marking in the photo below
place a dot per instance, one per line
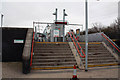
(52, 68)
(52, 42)
(115, 39)
(101, 65)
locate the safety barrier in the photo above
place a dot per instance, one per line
(80, 52)
(32, 48)
(110, 43)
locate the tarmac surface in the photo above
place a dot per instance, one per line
(14, 70)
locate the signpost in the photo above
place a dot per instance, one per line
(56, 33)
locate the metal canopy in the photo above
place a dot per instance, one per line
(54, 23)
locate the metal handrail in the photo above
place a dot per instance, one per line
(111, 42)
(78, 43)
(32, 49)
(77, 47)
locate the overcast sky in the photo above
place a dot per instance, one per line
(23, 13)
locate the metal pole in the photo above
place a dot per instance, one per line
(33, 24)
(38, 29)
(33, 29)
(86, 35)
(35, 33)
(2, 19)
(56, 24)
(63, 21)
(56, 16)
(82, 29)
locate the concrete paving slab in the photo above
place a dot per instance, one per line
(14, 70)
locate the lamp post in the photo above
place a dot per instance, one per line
(86, 35)
(64, 14)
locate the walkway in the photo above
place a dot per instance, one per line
(13, 70)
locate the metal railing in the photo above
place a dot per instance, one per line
(77, 45)
(110, 43)
(32, 49)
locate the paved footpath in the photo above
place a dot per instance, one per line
(14, 70)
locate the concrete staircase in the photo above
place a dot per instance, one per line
(52, 55)
(99, 56)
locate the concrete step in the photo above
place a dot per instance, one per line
(43, 45)
(52, 51)
(51, 47)
(99, 61)
(97, 50)
(100, 58)
(98, 53)
(91, 45)
(53, 57)
(52, 43)
(54, 63)
(53, 60)
(52, 54)
(41, 48)
(52, 67)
